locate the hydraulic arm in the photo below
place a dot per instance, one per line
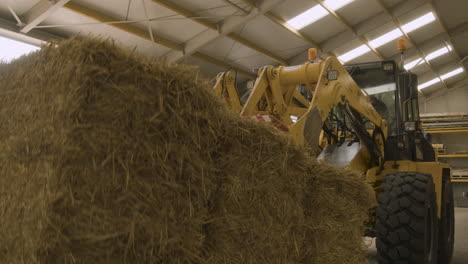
(327, 85)
(225, 87)
(321, 100)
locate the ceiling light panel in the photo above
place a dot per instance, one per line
(452, 73)
(412, 64)
(315, 13)
(407, 28)
(430, 56)
(437, 53)
(418, 22)
(429, 83)
(337, 4)
(385, 38)
(390, 36)
(443, 77)
(308, 17)
(363, 49)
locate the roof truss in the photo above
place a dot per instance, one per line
(39, 12)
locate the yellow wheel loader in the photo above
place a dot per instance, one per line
(365, 118)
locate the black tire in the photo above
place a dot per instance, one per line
(406, 227)
(446, 224)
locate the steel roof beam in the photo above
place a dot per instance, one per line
(458, 30)
(441, 70)
(281, 22)
(350, 28)
(142, 33)
(101, 17)
(37, 37)
(34, 37)
(438, 93)
(236, 6)
(225, 65)
(370, 24)
(225, 27)
(234, 36)
(435, 41)
(444, 27)
(421, 53)
(39, 12)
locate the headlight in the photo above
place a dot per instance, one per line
(410, 126)
(332, 75)
(388, 66)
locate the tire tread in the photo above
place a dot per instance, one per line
(400, 218)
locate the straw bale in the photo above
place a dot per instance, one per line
(258, 212)
(109, 157)
(335, 210)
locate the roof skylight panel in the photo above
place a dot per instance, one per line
(429, 57)
(363, 49)
(442, 77)
(396, 33)
(315, 13)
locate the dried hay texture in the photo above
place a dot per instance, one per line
(108, 157)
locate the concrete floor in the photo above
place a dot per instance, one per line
(460, 253)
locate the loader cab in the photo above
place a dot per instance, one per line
(394, 95)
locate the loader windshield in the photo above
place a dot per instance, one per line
(377, 80)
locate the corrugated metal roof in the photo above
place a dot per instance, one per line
(261, 40)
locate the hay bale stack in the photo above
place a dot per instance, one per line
(101, 158)
(258, 210)
(108, 157)
(334, 206)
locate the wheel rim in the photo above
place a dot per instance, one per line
(430, 236)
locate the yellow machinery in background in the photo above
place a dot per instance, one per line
(225, 87)
(368, 116)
